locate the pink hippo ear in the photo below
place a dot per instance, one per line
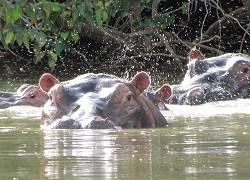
(163, 93)
(195, 54)
(47, 81)
(140, 82)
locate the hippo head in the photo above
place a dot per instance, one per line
(26, 95)
(223, 77)
(99, 98)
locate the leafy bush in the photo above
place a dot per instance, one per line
(131, 29)
(49, 28)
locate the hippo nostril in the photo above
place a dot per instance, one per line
(210, 79)
(205, 90)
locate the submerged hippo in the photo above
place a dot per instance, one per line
(99, 101)
(31, 95)
(224, 77)
(25, 95)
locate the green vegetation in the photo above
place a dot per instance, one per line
(134, 28)
(49, 28)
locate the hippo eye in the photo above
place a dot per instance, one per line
(210, 79)
(32, 96)
(129, 97)
(245, 70)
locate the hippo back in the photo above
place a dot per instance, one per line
(223, 77)
(202, 66)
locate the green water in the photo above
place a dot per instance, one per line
(210, 141)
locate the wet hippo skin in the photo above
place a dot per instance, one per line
(31, 95)
(26, 95)
(224, 77)
(99, 101)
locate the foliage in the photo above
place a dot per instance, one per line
(128, 31)
(49, 28)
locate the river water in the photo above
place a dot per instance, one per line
(210, 141)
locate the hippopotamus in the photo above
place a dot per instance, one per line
(30, 95)
(224, 77)
(99, 101)
(159, 96)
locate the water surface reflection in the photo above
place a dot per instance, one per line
(96, 153)
(198, 144)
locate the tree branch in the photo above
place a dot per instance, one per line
(223, 20)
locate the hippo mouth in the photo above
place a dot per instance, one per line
(196, 92)
(100, 123)
(243, 91)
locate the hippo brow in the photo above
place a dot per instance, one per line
(131, 88)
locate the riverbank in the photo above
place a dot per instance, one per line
(161, 68)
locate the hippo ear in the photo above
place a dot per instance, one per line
(140, 82)
(195, 54)
(47, 81)
(163, 93)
